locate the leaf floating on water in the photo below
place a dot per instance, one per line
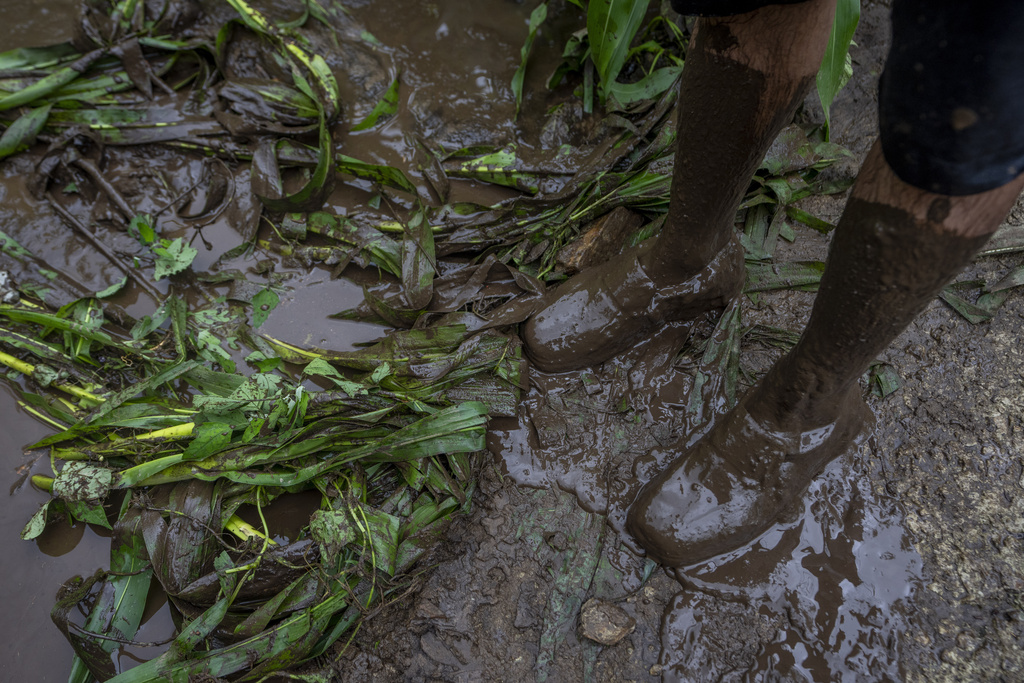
(172, 257)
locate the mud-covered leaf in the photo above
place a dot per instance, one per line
(418, 261)
(1015, 278)
(267, 178)
(884, 379)
(763, 277)
(980, 311)
(82, 481)
(333, 530)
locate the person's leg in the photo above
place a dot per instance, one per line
(744, 77)
(952, 123)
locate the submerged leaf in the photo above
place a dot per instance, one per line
(386, 107)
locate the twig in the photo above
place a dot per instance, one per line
(70, 219)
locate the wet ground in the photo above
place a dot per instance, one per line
(903, 560)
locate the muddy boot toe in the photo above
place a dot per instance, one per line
(733, 485)
(603, 311)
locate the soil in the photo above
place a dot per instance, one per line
(904, 560)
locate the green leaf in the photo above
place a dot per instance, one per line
(650, 87)
(385, 175)
(262, 304)
(386, 107)
(172, 256)
(166, 374)
(537, 17)
(21, 134)
(209, 438)
(500, 168)
(836, 67)
(112, 289)
(318, 366)
(90, 514)
(611, 25)
(37, 524)
(810, 220)
(50, 83)
(141, 228)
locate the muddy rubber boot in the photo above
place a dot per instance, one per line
(734, 483)
(610, 308)
(886, 263)
(745, 76)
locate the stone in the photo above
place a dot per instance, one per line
(605, 622)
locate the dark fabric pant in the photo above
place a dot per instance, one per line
(951, 99)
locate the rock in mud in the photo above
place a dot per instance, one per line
(605, 622)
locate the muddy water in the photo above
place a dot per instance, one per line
(32, 649)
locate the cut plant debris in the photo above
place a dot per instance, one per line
(165, 450)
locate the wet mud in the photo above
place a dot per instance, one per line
(901, 561)
(822, 595)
